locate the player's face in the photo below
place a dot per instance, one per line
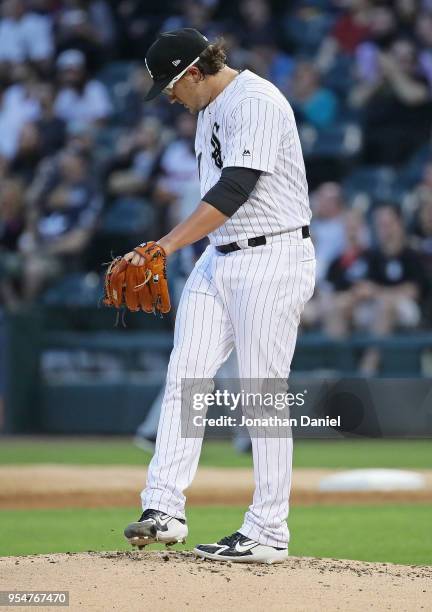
(190, 91)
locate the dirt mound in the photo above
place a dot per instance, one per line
(177, 581)
(61, 486)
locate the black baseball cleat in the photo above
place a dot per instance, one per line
(156, 526)
(240, 548)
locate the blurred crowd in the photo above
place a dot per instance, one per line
(85, 164)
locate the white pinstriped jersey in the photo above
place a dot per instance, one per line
(235, 301)
(251, 124)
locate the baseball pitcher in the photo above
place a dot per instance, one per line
(247, 290)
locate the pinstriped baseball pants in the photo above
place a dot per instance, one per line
(251, 299)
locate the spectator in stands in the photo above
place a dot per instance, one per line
(422, 242)
(340, 298)
(424, 36)
(134, 106)
(80, 99)
(351, 28)
(176, 176)
(396, 106)
(424, 188)
(137, 86)
(304, 26)
(312, 103)
(394, 286)
(101, 17)
(422, 233)
(135, 159)
(37, 121)
(76, 31)
(66, 206)
(29, 153)
(279, 66)
(24, 35)
(382, 33)
(82, 140)
(12, 213)
(382, 28)
(51, 129)
(194, 14)
(12, 223)
(258, 26)
(405, 13)
(328, 229)
(4, 169)
(39, 138)
(138, 21)
(18, 106)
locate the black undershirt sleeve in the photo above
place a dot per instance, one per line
(232, 189)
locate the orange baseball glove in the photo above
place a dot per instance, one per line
(139, 287)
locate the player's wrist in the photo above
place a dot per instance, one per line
(167, 245)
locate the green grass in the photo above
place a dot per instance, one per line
(390, 533)
(307, 453)
(103, 451)
(363, 453)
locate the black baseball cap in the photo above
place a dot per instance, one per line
(170, 55)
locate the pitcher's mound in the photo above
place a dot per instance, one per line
(177, 581)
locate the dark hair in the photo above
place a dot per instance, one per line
(388, 205)
(213, 58)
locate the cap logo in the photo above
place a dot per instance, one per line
(148, 68)
(176, 62)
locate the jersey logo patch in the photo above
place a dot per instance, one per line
(246, 152)
(215, 143)
(176, 62)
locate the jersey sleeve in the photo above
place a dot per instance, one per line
(254, 133)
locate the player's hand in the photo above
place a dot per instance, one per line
(138, 260)
(134, 258)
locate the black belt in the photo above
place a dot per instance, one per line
(253, 242)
